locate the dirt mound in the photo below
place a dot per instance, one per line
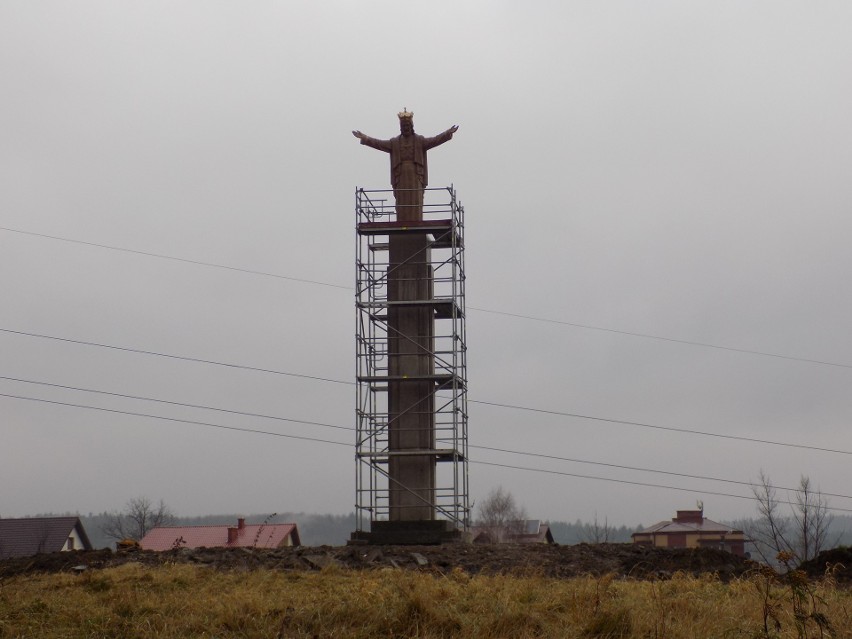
(625, 560)
(837, 562)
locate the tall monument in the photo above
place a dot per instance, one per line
(409, 172)
(405, 307)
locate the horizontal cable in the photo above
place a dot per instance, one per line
(174, 419)
(470, 308)
(172, 403)
(622, 422)
(349, 428)
(197, 360)
(685, 431)
(175, 259)
(590, 327)
(349, 445)
(640, 469)
(637, 483)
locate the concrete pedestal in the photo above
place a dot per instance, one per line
(411, 401)
(411, 533)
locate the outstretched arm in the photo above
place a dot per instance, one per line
(446, 136)
(381, 145)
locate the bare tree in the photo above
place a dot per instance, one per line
(139, 516)
(811, 519)
(501, 515)
(802, 533)
(769, 532)
(597, 532)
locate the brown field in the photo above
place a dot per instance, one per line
(172, 600)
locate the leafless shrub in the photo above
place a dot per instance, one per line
(501, 515)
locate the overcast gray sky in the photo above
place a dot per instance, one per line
(670, 168)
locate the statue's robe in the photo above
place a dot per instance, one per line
(409, 170)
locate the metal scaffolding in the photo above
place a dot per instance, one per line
(445, 380)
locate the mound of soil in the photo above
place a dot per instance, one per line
(837, 562)
(623, 560)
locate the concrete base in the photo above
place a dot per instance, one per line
(410, 533)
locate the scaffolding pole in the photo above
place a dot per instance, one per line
(411, 363)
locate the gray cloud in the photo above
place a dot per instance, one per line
(675, 169)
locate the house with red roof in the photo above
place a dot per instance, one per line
(691, 529)
(242, 535)
(34, 535)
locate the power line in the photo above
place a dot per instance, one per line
(661, 338)
(330, 380)
(531, 409)
(349, 445)
(172, 403)
(349, 428)
(197, 360)
(610, 479)
(640, 469)
(175, 419)
(175, 259)
(534, 318)
(637, 483)
(686, 431)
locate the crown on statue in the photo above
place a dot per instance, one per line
(405, 114)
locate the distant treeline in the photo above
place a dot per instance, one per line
(582, 532)
(334, 530)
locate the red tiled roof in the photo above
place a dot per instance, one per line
(249, 536)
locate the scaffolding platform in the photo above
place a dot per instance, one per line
(441, 381)
(444, 309)
(441, 232)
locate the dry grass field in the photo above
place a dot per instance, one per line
(182, 600)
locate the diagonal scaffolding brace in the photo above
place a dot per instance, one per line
(445, 404)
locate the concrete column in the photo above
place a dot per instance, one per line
(411, 402)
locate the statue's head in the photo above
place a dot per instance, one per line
(406, 122)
